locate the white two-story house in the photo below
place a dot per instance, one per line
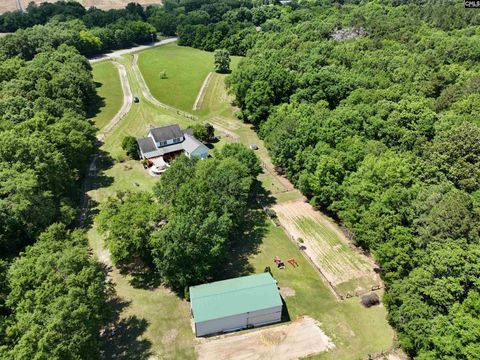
(169, 141)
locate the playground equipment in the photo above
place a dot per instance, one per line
(280, 264)
(292, 262)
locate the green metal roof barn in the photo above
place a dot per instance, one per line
(233, 304)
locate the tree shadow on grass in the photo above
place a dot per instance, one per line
(142, 276)
(103, 162)
(245, 245)
(95, 104)
(264, 197)
(124, 342)
(121, 339)
(93, 178)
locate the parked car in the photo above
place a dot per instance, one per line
(136, 99)
(253, 147)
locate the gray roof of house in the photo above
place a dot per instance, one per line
(170, 148)
(146, 145)
(191, 144)
(167, 132)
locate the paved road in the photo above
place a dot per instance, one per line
(120, 53)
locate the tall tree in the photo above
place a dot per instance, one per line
(57, 299)
(222, 61)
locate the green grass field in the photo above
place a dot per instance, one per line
(152, 321)
(105, 75)
(341, 259)
(141, 117)
(356, 331)
(186, 69)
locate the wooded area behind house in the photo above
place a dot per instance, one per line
(381, 129)
(371, 109)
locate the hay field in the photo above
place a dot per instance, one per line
(347, 270)
(12, 5)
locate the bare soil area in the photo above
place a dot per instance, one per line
(8, 5)
(346, 269)
(286, 291)
(116, 4)
(11, 5)
(301, 338)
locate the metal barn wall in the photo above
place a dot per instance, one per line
(254, 318)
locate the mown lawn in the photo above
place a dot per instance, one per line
(141, 117)
(355, 331)
(152, 322)
(186, 69)
(109, 89)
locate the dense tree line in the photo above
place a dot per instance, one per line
(204, 24)
(62, 11)
(373, 111)
(120, 34)
(57, 300)
(217, 24)
(187, 226)
(52, 296)
(45, 141)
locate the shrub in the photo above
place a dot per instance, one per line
(129, 144)
(370, 300)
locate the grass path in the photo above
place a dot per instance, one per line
(109, 88)
(127, 103)
(186, 69)
(151, 323)
(155, 321)
(201, 94)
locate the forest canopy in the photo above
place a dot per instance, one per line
(183, 232)
(372, 110)
(52, 292)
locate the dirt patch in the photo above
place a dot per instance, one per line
(116, 4)
(301, 338)
(170, 337)
(287, 292)
(225, 132)
(226, 123)
(347, 270)
(11, 5)
(8, 5)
